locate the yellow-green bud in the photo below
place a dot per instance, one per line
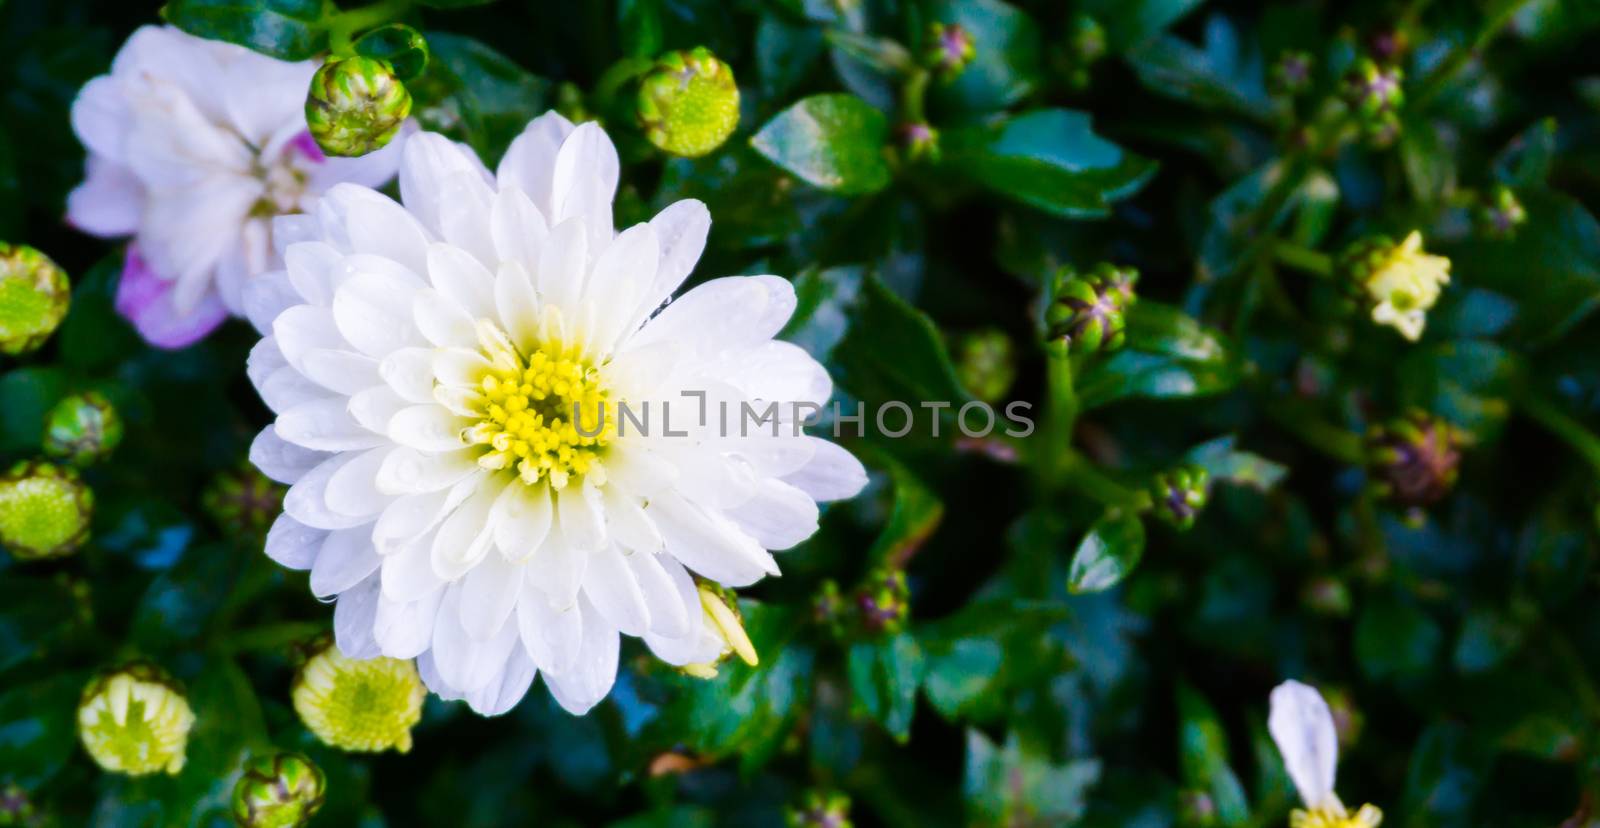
(243, 502)
(1502, 214)
(947, 50)
(919, 140)
(135, 720)
(722, 617)
(1414, 460)
(356, 105)
(689, 103)
(82, 428)
(44, 511)
(1088, 314)
(821, 809)
(361, 706)
(1180, 494)
(34, 295)
(1372, 89)
(986, 363)
(884, 601)
(16, 809)
(1397, 283)
(278, 790)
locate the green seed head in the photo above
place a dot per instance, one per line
(34, 295)
(356, 105)
(44, 511)
(278, 790)
(243, 502)
(82, 428)
(135, 720)
(986, 362)
(688, 103)
(1089, 312)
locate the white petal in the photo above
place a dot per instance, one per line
(428, 428)
(459, 275)
(697, 644)
(408, 517)
(427, 162)
(583, 521)
(409, 371)
(585, 181)
(109, 200)
(344, 372)
(1302, 725)
(552, 637)
(563, 263)
(280, 459)
(503, 693)
(560, 565)
(465, 536)
(303, 328)
(517, 305)
(353, 488)
(530, 162)
(522, 521)
(611, 586)
(488, 594)
(408, 572)
(353, 618)
(621, 274)
(682, 229)
(373, 315)
(833, 473)
(519, 228)
(723, 314)
(293, 544)
(325, 425)
(581, 687)
(627, 522)
(286, 388)
(442, 321)
(370, 222)
(309, 267)
(307, 500)
(669, 616)
(709, 544)
(374, 407)
(467, 664)
(346, 559)
(779, 516)
(408, 471)
(266, 296)
(404, 629)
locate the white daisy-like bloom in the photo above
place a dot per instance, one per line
(1302, 726)
(424, 360)
(193, 147)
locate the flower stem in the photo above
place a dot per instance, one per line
(913, 96)
(1303, 258)
(617, 76)
(1061, 413)
(1090, 480)
(343, 25)
(1335, 442)
(1558, 422)
(1458, 59)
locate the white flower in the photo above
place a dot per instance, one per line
(1302, 725)
(1404, 284)
(194, 146)
(423, 361)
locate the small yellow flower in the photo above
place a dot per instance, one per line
(134, 720)
(1302, 726)
(722, 619)
(362, 706)
(1400, 282)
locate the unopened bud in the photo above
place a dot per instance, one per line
(948, 50)
(243, 502)
(1291, 74)
(1086, 45)
(1415, 459)
(1178, 495)
(689, 103)
(16, 809)
(44, 511)
(821, 809)
(34, 295)
(1372, 89)
(723, 619)
(1196, 809)
(1088, 313)
(278, 790)
(362, 706)
(1326, 595)
(356, 105)
(986, 363)
(135, 720)
(82, 428)
(920, 141)
(1397, 283)
(1381, 130)
(1500, 217)
(884, 601)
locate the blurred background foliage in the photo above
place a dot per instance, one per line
(1064, 660)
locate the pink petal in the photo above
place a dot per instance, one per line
(145, 299)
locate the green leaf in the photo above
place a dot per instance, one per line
(36, 614)
(1168, 355)
(916, 514)
(640, 27)
(1016, 786)
(1007, 63)
(884, 677)
(785, 53)
(1050, 159)
(1526, 161)
(1551, 267)
(835, 142)
(284, 29)
(1226, 463)
(28, 395)
(1467, 382)
(1447, 769)
(94, 336)
(892, 351)
(473, 92)
(1396, 640)
(1131, 23)
(1110, 551)
(1244, 217)
(402, 46)
(454, 4)
(1203, 757)
(179, 604)
(973, 656)
(1221, 75)
(39, 728)
(1429, 163)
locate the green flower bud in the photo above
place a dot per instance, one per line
(278, 790)
(44, 511)
(1086, 45)
(82, 428)
(821, 809)
(1179, 495)
(361, 706)
(1415, 459)
(1291, 74)
(16, 809)
(135, 720)
(356, 105)
(884, 602)
(243, 502)
(986, 363)
(1326, 595)
(689, 103)
(1372, 89)
(1502, 214)
(919, 140)
(828, 607)
(947, 50)
(34, 295)
(1088, 314)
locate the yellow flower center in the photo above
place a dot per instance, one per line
(545, 414)
(1367, 817)
(365, 706)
